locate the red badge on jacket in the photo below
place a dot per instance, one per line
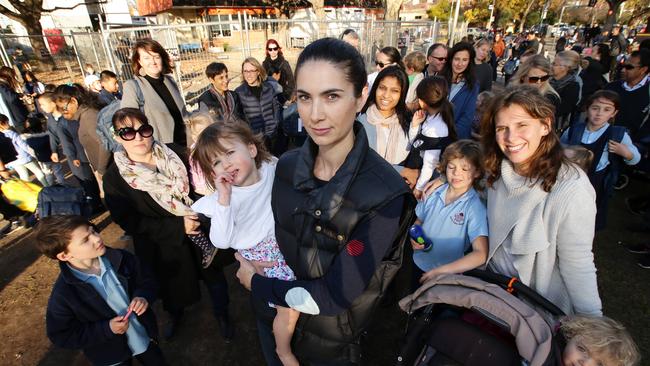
(355, 248)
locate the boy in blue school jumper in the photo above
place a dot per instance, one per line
(100, 301)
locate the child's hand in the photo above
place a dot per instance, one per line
(620, 149)
(139, 305)
(119, 325)
(191, 225)
(429, 275)
(54, 157)
(224, 187)
(418, 117)
(416, 246)
(76, 163)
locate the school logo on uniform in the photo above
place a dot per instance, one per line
(458, 218)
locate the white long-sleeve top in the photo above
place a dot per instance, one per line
(249, 218)
(433, 126)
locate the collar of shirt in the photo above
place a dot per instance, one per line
(591, 136)
(441, 193)
(637, 86)
(85, 277)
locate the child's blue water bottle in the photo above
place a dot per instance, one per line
(417, 234)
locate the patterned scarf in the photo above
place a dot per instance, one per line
(387, 148)
(168, 185)
(226, 101)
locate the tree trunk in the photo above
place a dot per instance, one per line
(523, 17)
(614, 7)
(34, 29)
(319, 11)
(392, 9)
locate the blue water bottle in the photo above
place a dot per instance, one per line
(417, 234)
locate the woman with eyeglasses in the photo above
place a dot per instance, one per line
(463, 86)
(536, 71)
(149, 195)
(260, 103)
(86, 155)
(387, 56)
(162, 101)
(541, 208)
(568, 84)
(275, 58)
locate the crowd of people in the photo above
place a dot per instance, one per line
(514, 179)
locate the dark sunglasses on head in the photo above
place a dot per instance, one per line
(630, 67)
(537, 79)
(381, 64)
(128, 133)
(271, 49)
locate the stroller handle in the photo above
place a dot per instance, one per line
(512, 283)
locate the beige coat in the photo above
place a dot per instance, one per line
(97, 155)
(154, 107)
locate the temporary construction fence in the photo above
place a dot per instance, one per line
(192, 46)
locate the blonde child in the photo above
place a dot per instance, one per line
(415, 63)
(453, 217)
(579, 155)
(237, 165)
(597, 341)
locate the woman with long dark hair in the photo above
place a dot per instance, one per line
(541, 208)
(385, 117)
(463, 86)
(275, 58)
(341, 214)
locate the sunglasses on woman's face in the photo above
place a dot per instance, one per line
(538, 79)
(382, 65)
(272, 49)
(128, 133)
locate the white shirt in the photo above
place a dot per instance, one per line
(249, 218)
(433, 126)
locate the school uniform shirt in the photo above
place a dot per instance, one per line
(110, 289)
(589, 137)
(24, 152)
(452, 228)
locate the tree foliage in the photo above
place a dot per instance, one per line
(440, 10)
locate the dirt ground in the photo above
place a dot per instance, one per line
(26, 279)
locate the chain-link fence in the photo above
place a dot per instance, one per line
(193, 46)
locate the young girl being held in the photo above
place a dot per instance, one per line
(437, 130)
(453, 217)
(611, 145)
(597, 341)
(236, 163)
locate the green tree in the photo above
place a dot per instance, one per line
(440, 11)
(478, 12)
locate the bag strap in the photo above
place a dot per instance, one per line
(139, 96)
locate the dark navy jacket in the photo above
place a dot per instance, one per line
(78, 317)
(464, 108)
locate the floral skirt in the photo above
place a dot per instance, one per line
(267, 250)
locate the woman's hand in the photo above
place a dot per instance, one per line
(248, 268)
(138, 305)
(191, 224)
(224, 187)
(432, 186)
(418, 118)
(418, 194)
(620, 149)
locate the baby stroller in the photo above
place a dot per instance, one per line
(489, 325)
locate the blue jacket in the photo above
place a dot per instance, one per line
(77, 316)
(464, 108)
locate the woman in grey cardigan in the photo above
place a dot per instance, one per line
(163, 104)
(541, 208)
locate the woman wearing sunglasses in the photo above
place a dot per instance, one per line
(86, 155)
(536, 71)
(568, 85)
(387, 56)
(274, 57)
(148, 195)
